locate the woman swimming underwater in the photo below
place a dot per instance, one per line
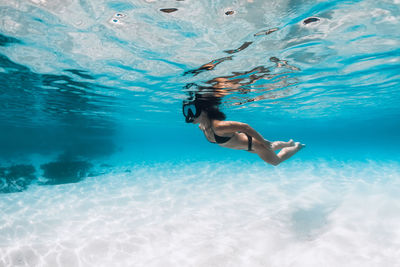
(236, 135)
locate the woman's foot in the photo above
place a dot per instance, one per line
(299, 145)
(281, 144)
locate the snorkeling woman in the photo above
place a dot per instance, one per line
(235, 135)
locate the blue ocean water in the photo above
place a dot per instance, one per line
(99, 168)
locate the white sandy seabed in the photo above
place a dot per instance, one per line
(210, 214)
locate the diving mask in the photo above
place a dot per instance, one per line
(191, 111)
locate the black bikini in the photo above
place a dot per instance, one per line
(221, 139)
(224, 139)
(250, 144)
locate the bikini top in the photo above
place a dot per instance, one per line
(221, 139)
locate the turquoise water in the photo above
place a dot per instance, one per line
(98, 167)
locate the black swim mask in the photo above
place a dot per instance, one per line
(191, 111)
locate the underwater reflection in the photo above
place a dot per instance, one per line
(208, 66)
(242, 87)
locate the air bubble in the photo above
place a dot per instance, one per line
(310, 20)
(168, 10)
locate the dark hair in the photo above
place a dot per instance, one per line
(210, 104)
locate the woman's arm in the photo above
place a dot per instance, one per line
(226, 127)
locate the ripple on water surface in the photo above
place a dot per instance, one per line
(330, 57)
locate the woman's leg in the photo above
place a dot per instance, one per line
(241, 142)
(271, 157)
(280, 144)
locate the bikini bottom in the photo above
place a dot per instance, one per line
(250, 142)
